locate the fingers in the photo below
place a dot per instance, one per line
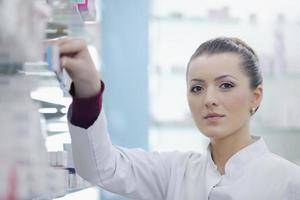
(72, 46)
(67, 62)
(68, 45)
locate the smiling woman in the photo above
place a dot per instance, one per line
(224, 90)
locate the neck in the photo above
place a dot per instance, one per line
(224, 148)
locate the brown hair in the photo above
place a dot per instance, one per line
(236, 46)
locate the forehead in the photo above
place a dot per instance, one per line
(206, 66)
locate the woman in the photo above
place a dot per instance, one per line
(224, 88)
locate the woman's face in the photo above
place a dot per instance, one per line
(219, 94)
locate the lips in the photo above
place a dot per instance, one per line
(213, 116)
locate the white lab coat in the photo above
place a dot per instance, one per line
(254, 173)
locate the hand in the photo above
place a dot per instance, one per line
(75, 58)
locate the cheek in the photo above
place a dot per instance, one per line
(195, 105)
(238, 103)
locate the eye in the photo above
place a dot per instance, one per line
(196, 89)
(227, 85)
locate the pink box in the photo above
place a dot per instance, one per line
(83, 6)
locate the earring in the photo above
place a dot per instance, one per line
(252, 111)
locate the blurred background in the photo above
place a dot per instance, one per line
(141, 48)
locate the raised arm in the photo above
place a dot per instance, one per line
(133, 173)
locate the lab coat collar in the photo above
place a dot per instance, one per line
(243, 158)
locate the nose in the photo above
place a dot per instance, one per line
(210, 98)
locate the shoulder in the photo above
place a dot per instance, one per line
(291, 172)
(287, 169)
(286, 173)
(284, 164)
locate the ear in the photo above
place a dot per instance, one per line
(257, 95)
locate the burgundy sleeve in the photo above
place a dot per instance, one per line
(83, 112)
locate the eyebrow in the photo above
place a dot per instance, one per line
(216, 79)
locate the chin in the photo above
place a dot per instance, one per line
(213, 134)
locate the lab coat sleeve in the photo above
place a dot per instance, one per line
(133, 173)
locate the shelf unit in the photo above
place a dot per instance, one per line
(28, 170)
